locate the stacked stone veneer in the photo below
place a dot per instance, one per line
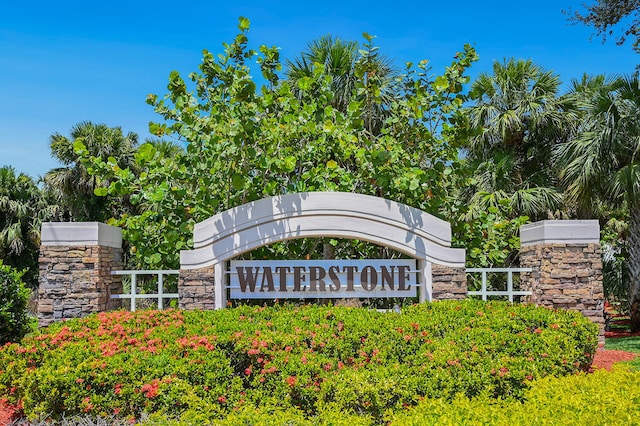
(567, 267)
(448, 283)
(196, 288)
(76, 260)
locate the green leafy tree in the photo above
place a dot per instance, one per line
(519, 117)
(491, 238)
(14, 297)
(244, 143)
(23, 208)
(341, 64)
(73, 184)
(602, 163)
(165, 148)
(619, 18)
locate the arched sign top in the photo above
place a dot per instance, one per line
(321, 214)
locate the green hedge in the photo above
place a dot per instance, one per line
(601, 398)
(308, 361)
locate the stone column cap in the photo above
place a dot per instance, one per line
(560, 232)
(80, 234)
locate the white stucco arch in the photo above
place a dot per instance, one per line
(322, 214)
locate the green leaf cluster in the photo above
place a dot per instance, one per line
(23, 208)
(492, 237)
(78, 190)
(14, 297)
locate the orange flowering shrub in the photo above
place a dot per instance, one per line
(312, 359)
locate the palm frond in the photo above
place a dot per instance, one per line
(535, 202)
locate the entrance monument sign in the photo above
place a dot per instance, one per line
(77, 260)
(410, 231)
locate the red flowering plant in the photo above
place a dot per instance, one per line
(313, 359)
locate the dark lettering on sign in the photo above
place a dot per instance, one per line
(350, 270)
(403, 277)
(333, 276)
(316, 278)
(283, 271)
(247, 278)
(364, 278)
(267, 276)
(369, 278)
(388, 277)
(298, 277)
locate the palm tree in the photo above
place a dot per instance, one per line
(165, 148)
(345, 64)
(23, 208)
(519, 117)
(583, 97)
(73, 183)
(603, 163)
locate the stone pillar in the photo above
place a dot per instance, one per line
(196, 288)
(567, 266)
(448, 283)
(76, 260)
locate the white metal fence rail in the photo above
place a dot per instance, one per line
(161, 295)
(134, 295)
(510, 292)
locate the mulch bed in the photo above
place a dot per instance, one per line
(8, 413)
(616, 334)
(605, 358)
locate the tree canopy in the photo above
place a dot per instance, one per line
(602, 163)
(244, 143)
(617, 18)
(519, 117)
(73, 183)
(23, 208)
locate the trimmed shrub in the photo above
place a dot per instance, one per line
(14, 298)
(192, 365)
(601, 398)
(264, 416)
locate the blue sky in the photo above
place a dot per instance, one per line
(66, 62)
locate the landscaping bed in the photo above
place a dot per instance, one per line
(320, 362)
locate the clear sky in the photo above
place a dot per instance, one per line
(63, 62)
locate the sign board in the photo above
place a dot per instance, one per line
(276, 279)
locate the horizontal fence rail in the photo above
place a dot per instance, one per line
(134, 295)
(161, 295)
(510, 292)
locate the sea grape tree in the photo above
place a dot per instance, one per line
(244, 142)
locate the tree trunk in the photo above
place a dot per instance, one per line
(328, 251)
(633, 245)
